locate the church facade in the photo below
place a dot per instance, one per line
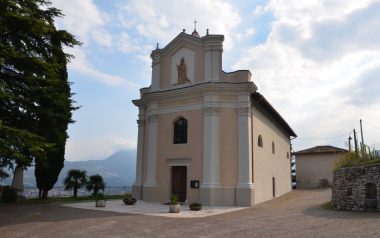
(206, 135)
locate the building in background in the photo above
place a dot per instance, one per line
(315, 166)
(206, 135)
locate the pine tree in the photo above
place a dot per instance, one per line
(35, 97)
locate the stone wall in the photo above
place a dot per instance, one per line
(357, 188)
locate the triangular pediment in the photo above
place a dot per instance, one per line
(179, 39)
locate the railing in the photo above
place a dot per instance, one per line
(32, 192)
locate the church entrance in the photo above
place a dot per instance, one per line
(179, 182)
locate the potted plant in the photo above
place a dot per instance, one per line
(195, 206)
(100, 200)
(174, 205)
(128, 199)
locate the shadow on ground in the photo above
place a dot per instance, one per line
(319, 212)
(19, 213)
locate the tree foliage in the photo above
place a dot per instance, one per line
(95, 183)
(35, 97)
(75, 179)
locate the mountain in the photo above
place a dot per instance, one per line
(119, 169)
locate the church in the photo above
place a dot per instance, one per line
(207, 135)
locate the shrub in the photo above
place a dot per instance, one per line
(349, 160)
(174, 199)
(100, 196)
(9, 194)
(127, 195)
(128, 199)
(195, 206)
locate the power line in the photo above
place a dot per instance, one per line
(323, 138)
(371, 125)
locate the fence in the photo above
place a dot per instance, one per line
(32, 192)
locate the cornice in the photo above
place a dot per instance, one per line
(199, 88)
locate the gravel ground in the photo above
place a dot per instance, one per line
(296, 214)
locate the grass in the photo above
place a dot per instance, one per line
(328, 206)
(72, 199)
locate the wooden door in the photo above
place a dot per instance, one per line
(179, 182)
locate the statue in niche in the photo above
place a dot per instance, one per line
(182, 72)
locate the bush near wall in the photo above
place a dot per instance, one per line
(350, 161)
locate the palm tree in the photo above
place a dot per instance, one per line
(75, 179)
(95, 183)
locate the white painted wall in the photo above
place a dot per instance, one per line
(266, 164)
(313, 167)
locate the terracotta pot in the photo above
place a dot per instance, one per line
(129, 201)
(196, 208)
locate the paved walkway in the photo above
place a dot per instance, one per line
(297, 214)
(154, 209)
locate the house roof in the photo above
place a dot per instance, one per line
(321, 150)
(259, 100)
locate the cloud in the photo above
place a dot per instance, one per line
(329, 38)
(163, 20)
(127, 44)
(319, 67)
(85, 20)
(89, 24)
(81, 65)
(247, 33)
(97, 148)
(366, 89)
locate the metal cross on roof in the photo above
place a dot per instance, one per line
(195, 25)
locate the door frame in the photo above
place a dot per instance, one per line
(177, 162)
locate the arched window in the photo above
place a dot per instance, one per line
(273, 148)
(180, 131)
(260, 141)
(287, 154)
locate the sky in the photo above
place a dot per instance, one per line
(317, 62)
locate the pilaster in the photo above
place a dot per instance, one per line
(156, 69)
(244, 188)
(213, 47)
(152, 146)
(210, 186)
(136, 188)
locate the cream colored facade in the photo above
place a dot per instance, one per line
(316, 166)
(225, 116)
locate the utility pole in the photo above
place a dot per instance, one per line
(362, 145)
(356, 146)
(349, 142)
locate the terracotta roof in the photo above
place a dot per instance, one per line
(259, 100)
(321, 150)
(195, 33)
